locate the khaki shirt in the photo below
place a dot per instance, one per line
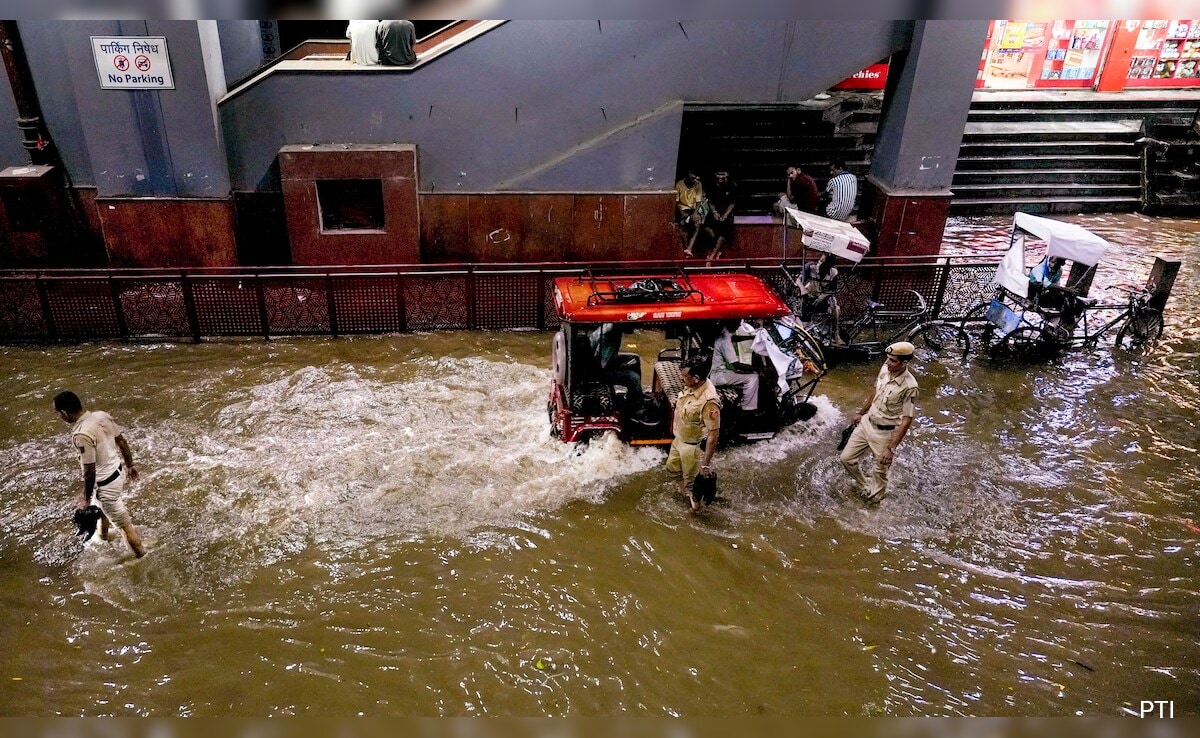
(697, 412)
(894, 398)
(95, 435)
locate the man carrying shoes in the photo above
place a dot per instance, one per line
(882, 422)
(106, 461)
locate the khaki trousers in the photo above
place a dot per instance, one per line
(867, 438)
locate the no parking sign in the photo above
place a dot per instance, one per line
(132, 62)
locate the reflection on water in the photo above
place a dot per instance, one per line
(383, 525)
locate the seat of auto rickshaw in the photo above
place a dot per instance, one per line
(668, 380)
(599, 386)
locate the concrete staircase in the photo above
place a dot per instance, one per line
(1049, 167)
(758, 142)
(1058, 152)
(1034, 151)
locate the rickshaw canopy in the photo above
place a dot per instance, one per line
(665, 298)
(1065, 240)
(826, 234)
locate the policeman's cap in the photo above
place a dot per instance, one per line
(901, 350)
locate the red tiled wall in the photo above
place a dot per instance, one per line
(168, 233)
(532, 227)
(397, 243)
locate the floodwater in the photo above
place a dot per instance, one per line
(384, 526)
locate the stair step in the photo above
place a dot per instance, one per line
(1020, 176)
(1061, 126)
(989, 163)
(968, 201)
(1066, 191)
(1072, 146)
(1064, 114)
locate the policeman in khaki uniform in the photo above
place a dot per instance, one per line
(882, 422)
(106, 461)
(697, 417)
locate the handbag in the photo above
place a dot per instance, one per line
(704, 488)
(846, 433)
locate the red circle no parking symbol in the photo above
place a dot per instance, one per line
(142, 62)
(121, 62)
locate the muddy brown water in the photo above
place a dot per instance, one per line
(383, 526)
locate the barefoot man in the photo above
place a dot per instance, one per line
(106, 461)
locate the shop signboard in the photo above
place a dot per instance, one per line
(873, 77)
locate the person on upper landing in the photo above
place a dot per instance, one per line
(800, 192)
(691, 208)
(396, 40)
(841, 191)
(363, 44)
(722, 197)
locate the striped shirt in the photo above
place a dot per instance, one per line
(842, 190)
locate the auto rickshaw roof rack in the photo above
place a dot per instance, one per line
(677, 286)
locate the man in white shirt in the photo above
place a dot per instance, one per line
(363, 44)
(106, 461)
(731, 367)
(841, 191)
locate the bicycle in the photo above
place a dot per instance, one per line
(1140, 322)
(1037, 332)
(932, 338)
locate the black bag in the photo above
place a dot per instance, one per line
(846, 433)
(704, 488)
(86, 519)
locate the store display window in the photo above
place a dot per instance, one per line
(1166, 54)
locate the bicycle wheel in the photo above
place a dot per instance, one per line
(804, 343)
(1142, 328)
(978, 327)
(1026, 344)
(938, 340)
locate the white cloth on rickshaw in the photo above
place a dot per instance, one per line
(787, 366)
(1065, 240)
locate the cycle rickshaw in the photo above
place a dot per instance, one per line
(866, 334)
(1025, 323)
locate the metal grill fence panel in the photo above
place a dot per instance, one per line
(367, 303)
(154, 308)
(21, 312)
(296, 306)
(214, 303)
(438, 302)
(81, 308)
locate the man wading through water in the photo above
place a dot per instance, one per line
(882, 422)
(106, 461)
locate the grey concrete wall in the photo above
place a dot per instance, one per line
(241, 48)
(54, 76)
(160, 143)
(12, 153)
(926, 108)
(505, 107)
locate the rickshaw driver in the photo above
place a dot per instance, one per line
(697, 420)
(731, 365)
(1047, 273)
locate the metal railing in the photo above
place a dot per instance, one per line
(156, 304)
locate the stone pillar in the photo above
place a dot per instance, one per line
(907, 194)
